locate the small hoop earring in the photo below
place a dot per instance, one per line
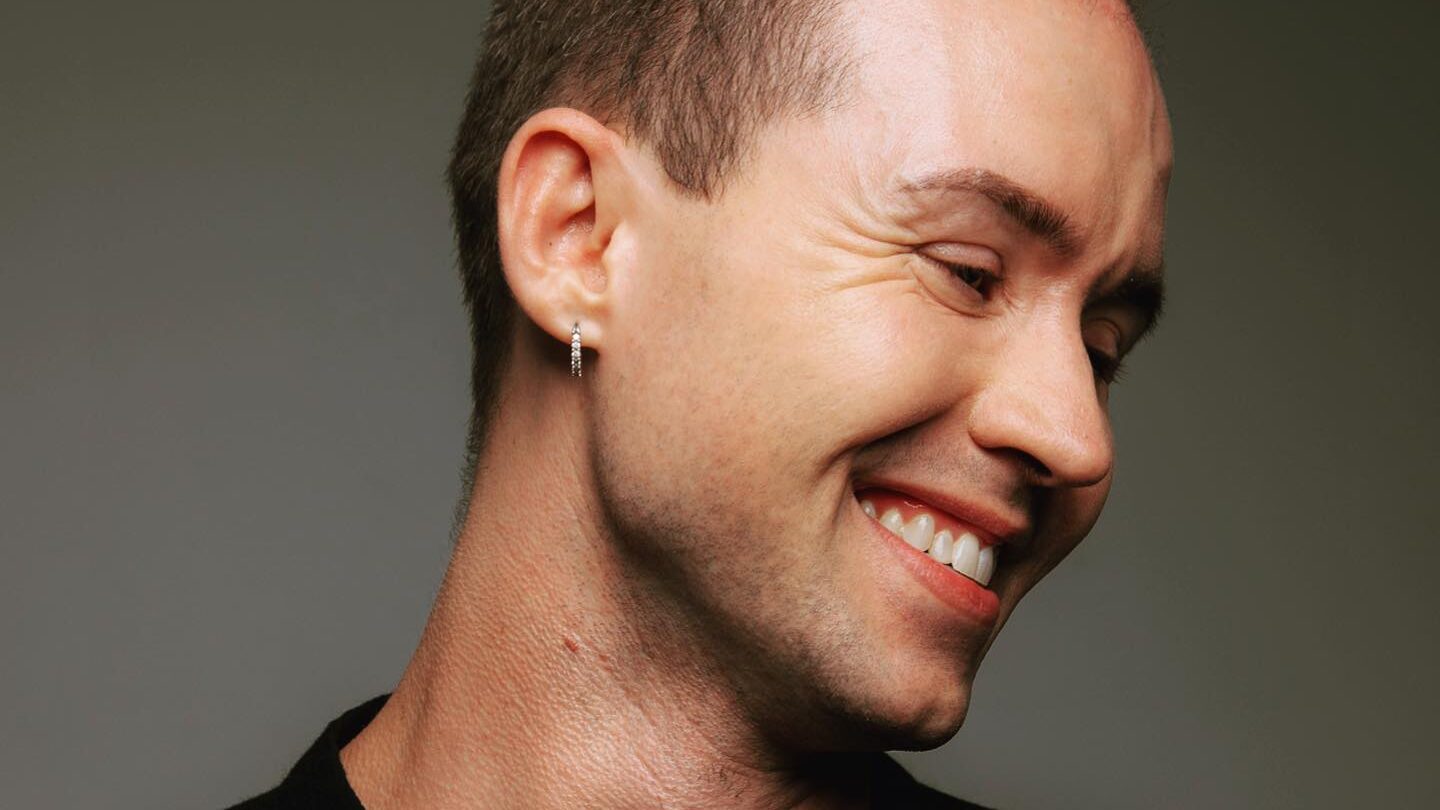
(575, 350)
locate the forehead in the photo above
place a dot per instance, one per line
(1058, 95)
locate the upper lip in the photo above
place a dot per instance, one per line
(1003, 525)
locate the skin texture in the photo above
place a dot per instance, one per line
(665, 592)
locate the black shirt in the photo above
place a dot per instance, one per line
(317, 782)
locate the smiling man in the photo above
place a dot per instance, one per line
(852, 282)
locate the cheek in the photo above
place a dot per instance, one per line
(900, 358)
(729, 396)
(739, 382)
(695, 410)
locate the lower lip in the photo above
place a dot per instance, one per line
(957, 591)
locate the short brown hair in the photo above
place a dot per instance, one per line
(694, 80)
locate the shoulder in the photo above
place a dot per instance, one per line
(318, 779)
(270, 800)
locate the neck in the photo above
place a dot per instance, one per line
(547, 677)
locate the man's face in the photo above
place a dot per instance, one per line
(884, 306)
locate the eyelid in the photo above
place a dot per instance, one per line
(982, 294)
(1108, 365)
(952, 258)
(967, 255)
(1116, 327)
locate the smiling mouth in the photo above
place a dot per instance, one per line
(951, 544)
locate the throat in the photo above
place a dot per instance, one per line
(515, 697)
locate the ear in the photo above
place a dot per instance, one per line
(562, 191)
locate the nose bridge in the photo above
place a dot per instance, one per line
(1041, 400)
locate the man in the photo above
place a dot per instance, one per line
(852, 281)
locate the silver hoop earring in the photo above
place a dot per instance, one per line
(575, 350)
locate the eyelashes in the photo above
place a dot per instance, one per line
(976, 278)
(1107, 369)
(970, 276)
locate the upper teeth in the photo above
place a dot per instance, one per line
(965, 554)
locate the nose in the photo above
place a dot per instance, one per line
(1041, 402)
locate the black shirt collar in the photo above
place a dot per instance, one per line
(318, 780)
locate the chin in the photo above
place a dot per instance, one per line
(923, 716)
(931, 724)
(921, 731)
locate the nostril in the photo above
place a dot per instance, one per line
(1033, 469)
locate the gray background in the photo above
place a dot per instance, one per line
(232, 397)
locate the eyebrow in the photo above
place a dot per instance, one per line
(1030, 210)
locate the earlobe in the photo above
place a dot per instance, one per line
(555, 220)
